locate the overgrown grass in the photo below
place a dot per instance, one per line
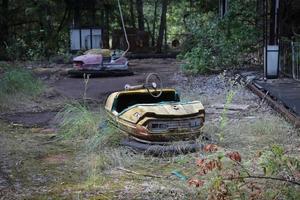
(19, 80)
(18, 83)
(102, 156)
(98, 141)
(249, 135)
(76, 121)
(104, 160)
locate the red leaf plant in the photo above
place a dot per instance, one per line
(210, 148)
(196, 182)
(235, 156)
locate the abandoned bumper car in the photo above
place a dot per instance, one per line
(154, 118)
(100, 62)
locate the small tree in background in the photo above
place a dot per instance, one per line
(218, 44)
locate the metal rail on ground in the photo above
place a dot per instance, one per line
(285, 112)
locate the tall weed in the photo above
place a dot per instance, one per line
(76, 121)
(18, 83)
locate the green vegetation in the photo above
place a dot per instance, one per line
(19, 80)
(83, 159)
(210, 43)
(86, 165)
(226, 173)
(48, 23)
(218, 44)
(26, 160)
(16, 82)
(76, 121)
(271, 174)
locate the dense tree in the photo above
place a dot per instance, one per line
(48, 22)
(3, 26)
(106, 26)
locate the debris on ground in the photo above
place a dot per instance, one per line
(233, 107)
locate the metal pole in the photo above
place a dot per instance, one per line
(265, 38)
(91, 38)
(276, 27)
(293, 60)
(297, 61)
(80, 42)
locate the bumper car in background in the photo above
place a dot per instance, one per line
(100, 62)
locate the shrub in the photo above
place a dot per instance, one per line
(222, 43)
(271, 174)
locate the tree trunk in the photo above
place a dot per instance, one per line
(166, 35)
(77, 13)
(192, 4)
(93, 13)
(162, 27)
(4, 27)
(259, 14)
(154, 23)
(106, 28)
(140, 11)
(63, 20)
(132, 16)
(102, 20)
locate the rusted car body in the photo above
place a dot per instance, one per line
(98, 62)
(101, 61)
(152, 119)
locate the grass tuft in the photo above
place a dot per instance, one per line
(269, 126)
(19, 80)
(17, 83)
(76, 121)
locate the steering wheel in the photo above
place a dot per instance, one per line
(154, 85)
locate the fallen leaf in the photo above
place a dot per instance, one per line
(196, 182)
(210, 148)
(235, 156)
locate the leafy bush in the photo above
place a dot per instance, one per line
(23, 47)
(272, 174)
(222, 43)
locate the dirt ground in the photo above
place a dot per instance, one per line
(31, 167)
(62, 89)
(99, 88)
